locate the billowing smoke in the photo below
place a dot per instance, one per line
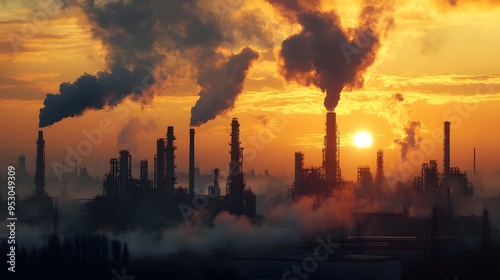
(412, 139)
(89, 92)
(220, 86)
(130, 135)
(325, 54)
(146, 42)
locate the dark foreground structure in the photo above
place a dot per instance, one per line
(152, 204)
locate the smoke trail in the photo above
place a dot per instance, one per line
(128, 137)
(142, 39)
(325, 54)
(412, 139)
(220, 86)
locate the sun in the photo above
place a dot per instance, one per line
(362, 139)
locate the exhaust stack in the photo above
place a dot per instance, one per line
(191, 162)
(330, 160)
(40, 166)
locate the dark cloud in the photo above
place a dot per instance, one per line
(221, 86)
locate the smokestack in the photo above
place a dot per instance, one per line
(160, 166)
(191, 162)
(380, 167)
(474, 161)
(40, 166)
(125, 166)
(215, 189)
(331, 149)
(299, 173)
(170, 158)
(446, 166)
(236, 185)
(144, 172)
(446, 161)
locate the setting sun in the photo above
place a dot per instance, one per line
(362, 139)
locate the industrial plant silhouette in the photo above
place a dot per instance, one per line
(395, 244)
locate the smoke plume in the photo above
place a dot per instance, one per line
(412, 139)
(128, 137)
(146, 42)
(220, 86)
(325, 54)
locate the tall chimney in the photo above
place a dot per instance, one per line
(170, 176)
(446, 160)
(236, 179)
(40, 165)
(125, 162)
(446, 166)
(160, 167)
(474, 161)
(299, 173)
(331, 149)
(379, 177)
(144, 172)
(191, 162)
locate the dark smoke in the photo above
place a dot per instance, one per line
(325, 54)
(143, 38)
(412, 139)
(220, 86)
(107, 88)
(126, 29)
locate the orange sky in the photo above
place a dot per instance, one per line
(442, 59)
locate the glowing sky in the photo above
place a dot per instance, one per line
(442, 58)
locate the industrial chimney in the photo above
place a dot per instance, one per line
(446, 166)
(446, 160)
(159, 168)
(191, 162)
(40, 166)
(331, 149)
(125, 176)
(235, 178)
(170, 157)
(299, 174)
(144, 173)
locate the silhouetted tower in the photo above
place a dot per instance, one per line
(40, 166)
(159, 168)
(474, 161)
(299, 174)
(111, 180)
(365, 179)
(486, 239)
(191, 162)
(235, 180)
(170, 158)
(331, 153)
(144, 173)
(125, 176)
(23, 173)
(215, 189)
(446, 165)
(379, 177)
